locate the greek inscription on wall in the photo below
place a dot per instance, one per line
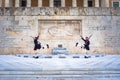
(112, 41)
(61, 11)
(100, 27)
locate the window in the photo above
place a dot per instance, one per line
(3, 3)
(13, 3)
(10, 4)
(45, 3)
(90, 3)
(100, 2)
(34, 3)
(79, 3)
(23, 3)
(116, 4)
(57, 3)
(68, 3)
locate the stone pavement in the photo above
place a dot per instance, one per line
(59, 67)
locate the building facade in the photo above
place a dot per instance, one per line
(59, 3)
(60, 23)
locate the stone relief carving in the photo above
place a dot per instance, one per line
(62, 11)
(45, 11)
(59, 31)
(8, 11)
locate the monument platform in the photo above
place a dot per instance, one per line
(71, 67)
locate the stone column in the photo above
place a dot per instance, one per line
(7, 3)
(96, 3)
(51, 3)
(0, 3)
(17, 3)
(28, 3)
(85, 3)
(102, 3)
(107, 3)
(74, 3)
(62, 3)
(39, 3)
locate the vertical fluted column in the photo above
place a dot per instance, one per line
(17, 3)
(39, 3)
(62, 3)
(85, 3)
(0, 3)
(7, 3)
(107, 3)
(97, 3)
(28, 3)
(51, 3)
(74, 3)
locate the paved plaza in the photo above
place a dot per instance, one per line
(60, 67)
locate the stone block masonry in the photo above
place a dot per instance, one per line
(17, 25)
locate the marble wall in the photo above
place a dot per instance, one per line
(68, 11)
(19, 25)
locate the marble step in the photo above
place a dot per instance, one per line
(61, 73)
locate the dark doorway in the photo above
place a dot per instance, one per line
(57, 3)
(23, 3)
(34, 3)
(90, 3)
(45, 3)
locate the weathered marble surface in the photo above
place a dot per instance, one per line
(97, 67)
(17, 25)
(49, 11)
